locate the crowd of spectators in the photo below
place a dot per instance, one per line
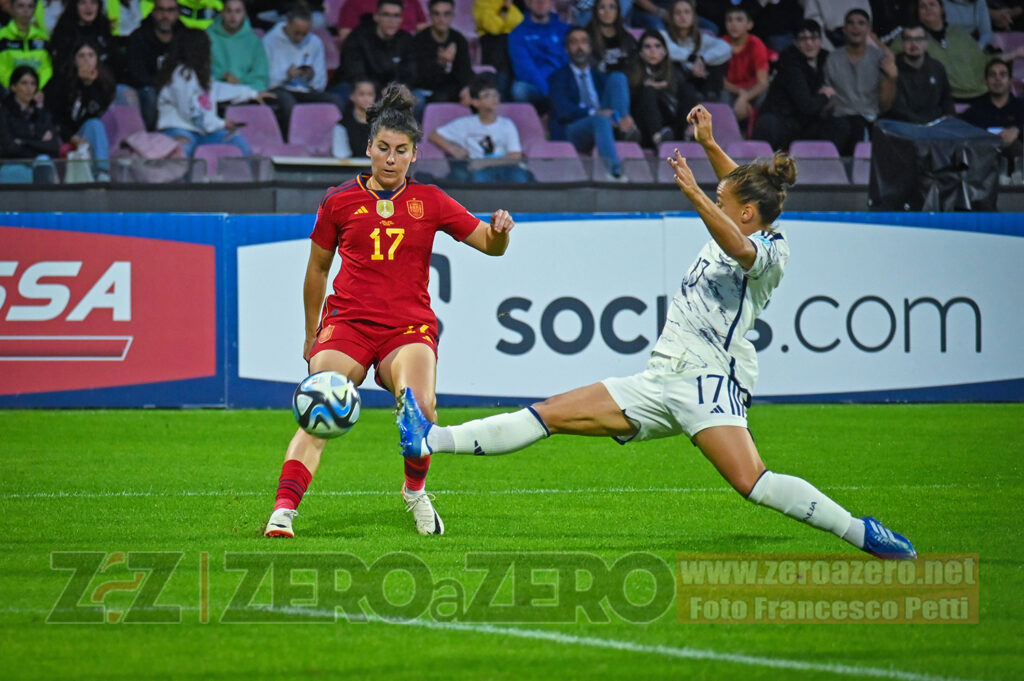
(598, 72)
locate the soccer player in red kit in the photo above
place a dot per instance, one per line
(379, 314)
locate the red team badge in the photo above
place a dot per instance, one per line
(415, 208)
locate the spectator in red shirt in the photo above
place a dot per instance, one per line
(746, 79)
(414, 19)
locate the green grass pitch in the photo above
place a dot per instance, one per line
(199, 485)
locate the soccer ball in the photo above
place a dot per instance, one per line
(326, 404)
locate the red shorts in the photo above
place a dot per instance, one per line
(368, 343)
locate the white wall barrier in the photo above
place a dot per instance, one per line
(866, 311)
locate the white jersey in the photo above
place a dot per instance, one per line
(718, 304)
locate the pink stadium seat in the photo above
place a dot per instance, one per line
(437, 114)
(813, 149)
(332, 53)
(531, 130)
(695, 158)
(1007, 42)
(724, 123)
(312, 126)
(426, 150)
(862, 163)
(331, 10)
(635, 164)
(261, 131)
(120, 121)
(818, 162)
(211, 154)
(748, 149)
(465, 23)
(556, 162)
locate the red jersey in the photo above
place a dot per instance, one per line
(744, 65)
(385, 240)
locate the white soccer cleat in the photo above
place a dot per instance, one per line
(427, 519)
(280, 523)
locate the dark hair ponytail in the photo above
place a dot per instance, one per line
(393, 111)
(764, 184)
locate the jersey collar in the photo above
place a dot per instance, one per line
(363, 181)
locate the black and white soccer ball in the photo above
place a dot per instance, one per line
(326, 404)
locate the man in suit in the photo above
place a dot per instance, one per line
(590, 108)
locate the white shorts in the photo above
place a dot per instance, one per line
(672, 396)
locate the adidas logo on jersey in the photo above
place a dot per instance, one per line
(717, 410)
(362, 210)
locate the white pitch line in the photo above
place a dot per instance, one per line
(686, 653)
(84, 494)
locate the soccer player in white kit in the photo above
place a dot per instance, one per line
(702, 369)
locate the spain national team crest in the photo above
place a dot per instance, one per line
(385, 208)
(415, 208)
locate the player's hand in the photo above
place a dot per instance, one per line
(307, 346)
(502, 222)
(683, 175)
(700, 118)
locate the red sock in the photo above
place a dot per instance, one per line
(295, 478)
(416, 473)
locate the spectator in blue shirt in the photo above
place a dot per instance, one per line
(537, 48)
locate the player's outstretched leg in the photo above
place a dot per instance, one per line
(731, 450)
(498, 434)
(801, 500)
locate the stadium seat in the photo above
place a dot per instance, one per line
(862, 163)
(120, 121)
(1007, 42)
(312, 126)
(748, 149)
(465, 23)
(723, 122)
(331, 10)
(261, 131)
(531, 130)
(556, 162)
(332, 53)
(211, 155)
(635, 164)
(818, 162)
(484, 68)
(437, 114)
(426, 150)
(695, 158)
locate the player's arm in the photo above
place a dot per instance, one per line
(314, 288)
(492, 238)
(723, 230)
(700, 118)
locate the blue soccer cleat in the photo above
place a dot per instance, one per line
(882, 542)
(413, 427)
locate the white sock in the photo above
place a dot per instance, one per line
(499, 434)
(801, 500)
